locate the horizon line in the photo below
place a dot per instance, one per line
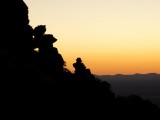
(127, 74)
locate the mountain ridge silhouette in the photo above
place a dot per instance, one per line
(147, 85)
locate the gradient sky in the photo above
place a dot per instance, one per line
(111, 36)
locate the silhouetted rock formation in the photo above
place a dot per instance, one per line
(35, 84)
(79, 66)
(81, 72)
(49, 59)
(16, 35)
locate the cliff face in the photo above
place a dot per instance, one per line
(16, 35)
(17, 80)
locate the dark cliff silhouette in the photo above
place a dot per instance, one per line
(48, 57)
(36, 84)
(16, 34)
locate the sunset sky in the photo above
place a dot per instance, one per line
(111, 36)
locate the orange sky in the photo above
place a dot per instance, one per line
(111, 36)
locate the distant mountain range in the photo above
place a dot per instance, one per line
(145, 85)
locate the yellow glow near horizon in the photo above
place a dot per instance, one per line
(111, 36)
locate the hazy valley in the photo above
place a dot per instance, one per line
(145, 85)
